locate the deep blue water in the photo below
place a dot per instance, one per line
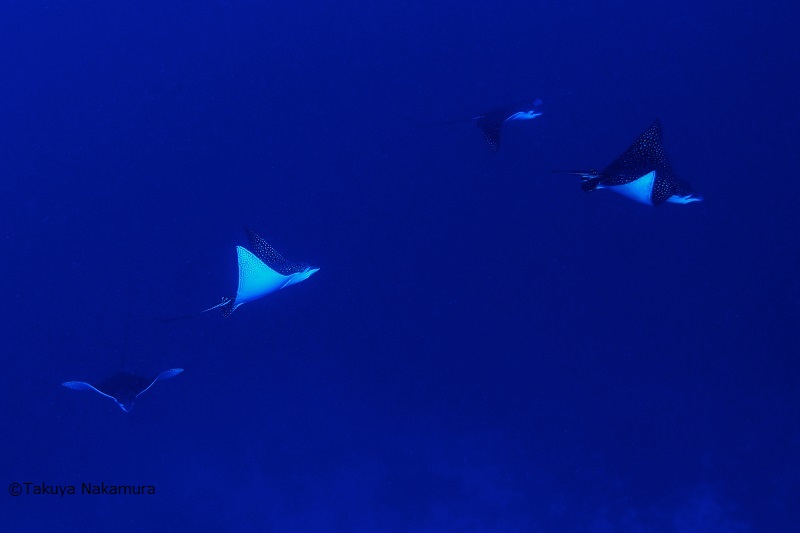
(485, 348)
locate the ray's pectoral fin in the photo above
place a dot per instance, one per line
(171, 373)
(640, 189)
(256, 278)
(82, 385)
(675, 192)
(685, 199)
(491, 125)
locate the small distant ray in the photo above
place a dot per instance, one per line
(642, 173)
(124, 388)
(262, 271)
(491, 122)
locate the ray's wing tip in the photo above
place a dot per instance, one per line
(252, 236)
(303, 274)
(693, 197)
(82, 385)
(492, 141)
(171, 373)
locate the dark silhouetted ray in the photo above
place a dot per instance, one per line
(124, 388)
(491, 122)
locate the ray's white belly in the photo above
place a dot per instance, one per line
(256, 279)
(259, 284)
(640, 190)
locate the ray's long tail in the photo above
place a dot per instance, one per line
(590, 179)
(583, 173)
(226, 304)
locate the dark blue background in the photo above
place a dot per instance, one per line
(485, 347)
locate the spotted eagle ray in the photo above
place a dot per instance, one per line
(124, 388)
(261, 272)
(491, 122)
(642, 173)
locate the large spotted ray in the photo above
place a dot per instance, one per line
(124, 388)
(262, 271)
(491, 122)
(642, 173)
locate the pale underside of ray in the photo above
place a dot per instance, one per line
(640, 189)
(256, 279)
